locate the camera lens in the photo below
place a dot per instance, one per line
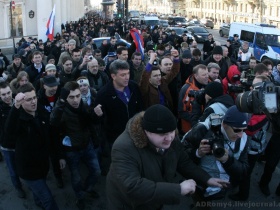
(244, 102)
(218, 150)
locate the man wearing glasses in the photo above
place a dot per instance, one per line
(27, 127)
(232, 164)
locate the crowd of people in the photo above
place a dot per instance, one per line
(146, 121)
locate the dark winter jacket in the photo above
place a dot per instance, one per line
(30, 135)
(141, 178)
(33, 73)
(4, 138)
(116, 112)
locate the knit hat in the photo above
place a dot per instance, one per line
(235, 118)
(217, 50)
(72, 41)
(50, 67)
(24, 45)
(214, 89)
(159, 119)
(186, 54)
(50, 81)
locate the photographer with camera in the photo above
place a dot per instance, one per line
(257, 141)
(219, 146)
(231, 83)
(194, 84)
(154, 86)
(215, 102)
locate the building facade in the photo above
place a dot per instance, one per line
(29, 17)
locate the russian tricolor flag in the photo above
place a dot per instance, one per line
(50, 25)
(138, 40)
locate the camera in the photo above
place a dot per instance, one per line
(247, 80)
(155, 63)
(198, 95)
(90, 57)
(263, 99)
(236, 88)
(216, 142)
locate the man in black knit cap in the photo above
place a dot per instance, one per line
(145, 160)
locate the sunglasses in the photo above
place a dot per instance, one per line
(237, 130)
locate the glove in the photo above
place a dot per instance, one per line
(64, 94)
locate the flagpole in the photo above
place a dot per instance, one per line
(12, 27)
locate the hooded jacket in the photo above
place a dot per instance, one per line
(229, 79)
(142, 178)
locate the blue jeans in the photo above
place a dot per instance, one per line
(9, 157)
(89, 157)
(42, 194)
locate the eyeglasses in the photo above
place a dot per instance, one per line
(31, 99)
(237, 130)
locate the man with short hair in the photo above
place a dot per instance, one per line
(122, 53)
(27, 126)
(13, 69)
(261, 69)
(71, 47)
(196, 57)
(76, 57)
(154, 86)
(195, 82)
(120, 99)
(213, 72)
(150, 163)
(97, 53)
(8, 147)
(36, 69)
(73, 119)
(97, 79)
(68, 73)
(136, 67)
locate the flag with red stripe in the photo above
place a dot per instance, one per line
(138, 40)
(50, 25)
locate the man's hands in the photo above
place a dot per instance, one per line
(216, 182)
(19, 99)
(174, 53)
(204, 148)
(188, 187)
(98, 111)
(153, 57)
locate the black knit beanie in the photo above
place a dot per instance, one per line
(159, 119)
(214, 89)
(217, 50)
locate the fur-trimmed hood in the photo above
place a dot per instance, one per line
(136, 132)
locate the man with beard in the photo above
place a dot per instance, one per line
(217, 57)
(8, 148)
(154, 86)
(47, 97)
(71, 47)
(97, 79)
(73, 120)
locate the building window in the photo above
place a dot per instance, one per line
(16, 27)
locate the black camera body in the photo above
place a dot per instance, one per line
(236, 88)
(216, 142)
(217, 146)
(264, 99)
(247, 81)
(198, 95)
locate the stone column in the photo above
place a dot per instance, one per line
(44, 9)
